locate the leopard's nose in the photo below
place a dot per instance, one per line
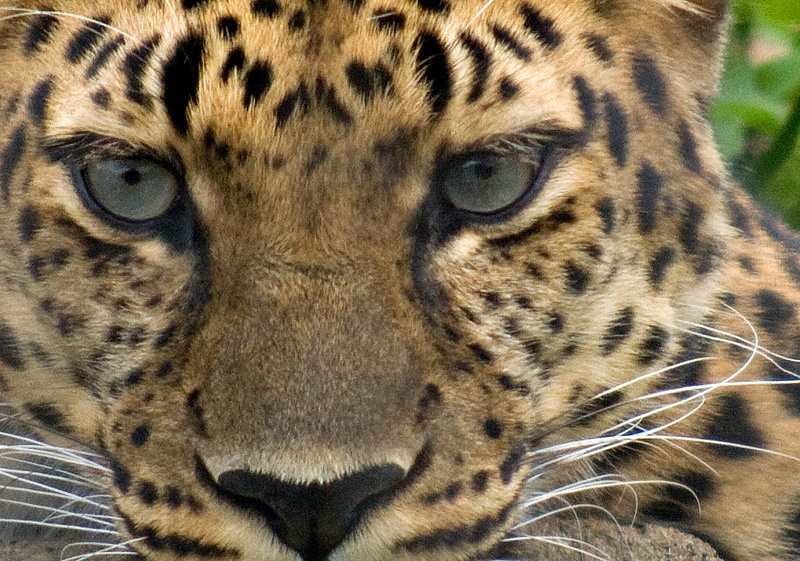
(311, 519)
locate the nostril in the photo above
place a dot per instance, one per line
(312, 519)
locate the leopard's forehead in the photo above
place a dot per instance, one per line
(302, 70)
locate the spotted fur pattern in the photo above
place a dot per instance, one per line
(312, 312)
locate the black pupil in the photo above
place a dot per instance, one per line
(483, 169)
(131, 176)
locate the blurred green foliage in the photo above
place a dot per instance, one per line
(757, 115)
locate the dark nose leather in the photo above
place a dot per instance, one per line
(312, 519)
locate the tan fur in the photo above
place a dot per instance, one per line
(315, 326)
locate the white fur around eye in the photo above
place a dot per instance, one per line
(134, 189)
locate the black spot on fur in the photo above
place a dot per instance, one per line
(101, 97)
(40, 29)
(228, 27)
(37, 102)
(541, 27)
(746, 263)
(10, 158)
(86, 39)
(774, 312)
(690, 226)
(389, 20)
(140, 435)
(508, 89)
(28, 223)
(480, 481)
(649, 181)
(665, 511)
(266, 8)
(368, 82)
(650, 82)
(659, 264)
(257, 81)
(733, 424)
(327, 97)
(511, 464)
(173, 497)
(134, 377)
(738, 217)
(617, 125)
(700, 487)
(577, 278)
(555, 322)
(481, 65)
(598, 45)
(587, 101)
(452, 491)
(355, 5)
(121, 477)
(493, 428)
(297, 21)
(507, 40)
(509, 384)
(687, 147)
(456, 536)
(192, 4)
(617, 331)
(103, 56)
(147, 493)
(608, 213)
(36, 267)
(165, 337)
(435, 6)
(134, 66)
(587, 412)
(181, 79)
(654, 345)
(235, 61)
(10, 348)
(318, 156)
(481, 353)
(434, 71)
(287, 105)
(48, 415)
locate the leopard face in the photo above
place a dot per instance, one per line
(357, 280)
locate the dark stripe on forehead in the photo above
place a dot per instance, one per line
(543, 28)
(505, 38)
(481, 65)
(134, 67)
(434, 71)
(86, 39)
(103, 56)
(40, 30)
(181, 78)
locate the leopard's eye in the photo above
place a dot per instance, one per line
(130, 189)
(485, 183)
